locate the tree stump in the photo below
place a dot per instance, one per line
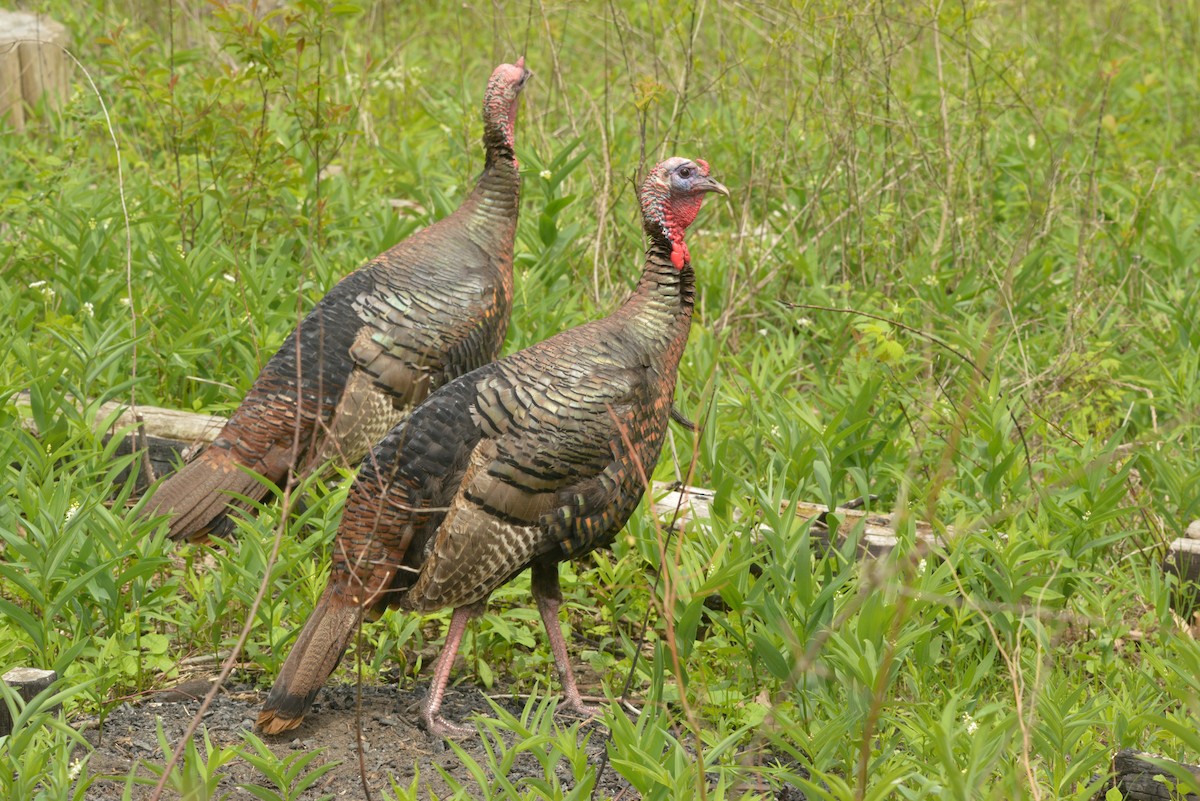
(25, 682)
(1183, 559)
(33, 65)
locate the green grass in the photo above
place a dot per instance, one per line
(1010, 186)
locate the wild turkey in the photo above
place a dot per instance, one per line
(533, 459)
(431, 308)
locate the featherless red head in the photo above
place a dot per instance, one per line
(671, 198)
(500, 103)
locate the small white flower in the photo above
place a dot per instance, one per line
(803, 322)
(1031, 140)
(921, 567)
(92, 223)
(958, 221)
(75, 770)
(1087, 515)
(970, 723)
(126, 302)
(37, 284)
(762, 332)
(545, 175)
(229, 277)
(88, 309)
(930, 280)
(72, 510)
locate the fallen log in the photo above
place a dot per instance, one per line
(167, 435)
(876, 531)
(1142, 777)
(155, 421)
(171, 434)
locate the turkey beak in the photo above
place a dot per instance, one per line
(526, 73)
(709, 185)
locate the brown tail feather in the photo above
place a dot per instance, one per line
(198, 496)
(316, 653)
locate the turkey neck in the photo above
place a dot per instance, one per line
(492, 206)
(658, 315)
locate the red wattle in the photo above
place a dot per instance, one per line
(680, 255)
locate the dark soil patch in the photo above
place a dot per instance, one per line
(394, 745)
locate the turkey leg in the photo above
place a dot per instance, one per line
(549, 597)
(434, 722)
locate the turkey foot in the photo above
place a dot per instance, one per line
(435, 724)
(438, 726)
(575, 703)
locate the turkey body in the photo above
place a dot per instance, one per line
(539, 457)
(431, 308)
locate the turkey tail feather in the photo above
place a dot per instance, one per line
(317, 651)
(199, 495)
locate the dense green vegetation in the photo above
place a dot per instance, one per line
(958, 273)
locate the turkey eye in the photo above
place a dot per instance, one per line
(686, 172)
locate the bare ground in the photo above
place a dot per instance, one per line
(394, 745)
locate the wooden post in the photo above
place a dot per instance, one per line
(25, 682)
(32, 64)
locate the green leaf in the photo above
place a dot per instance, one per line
(771, 656)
